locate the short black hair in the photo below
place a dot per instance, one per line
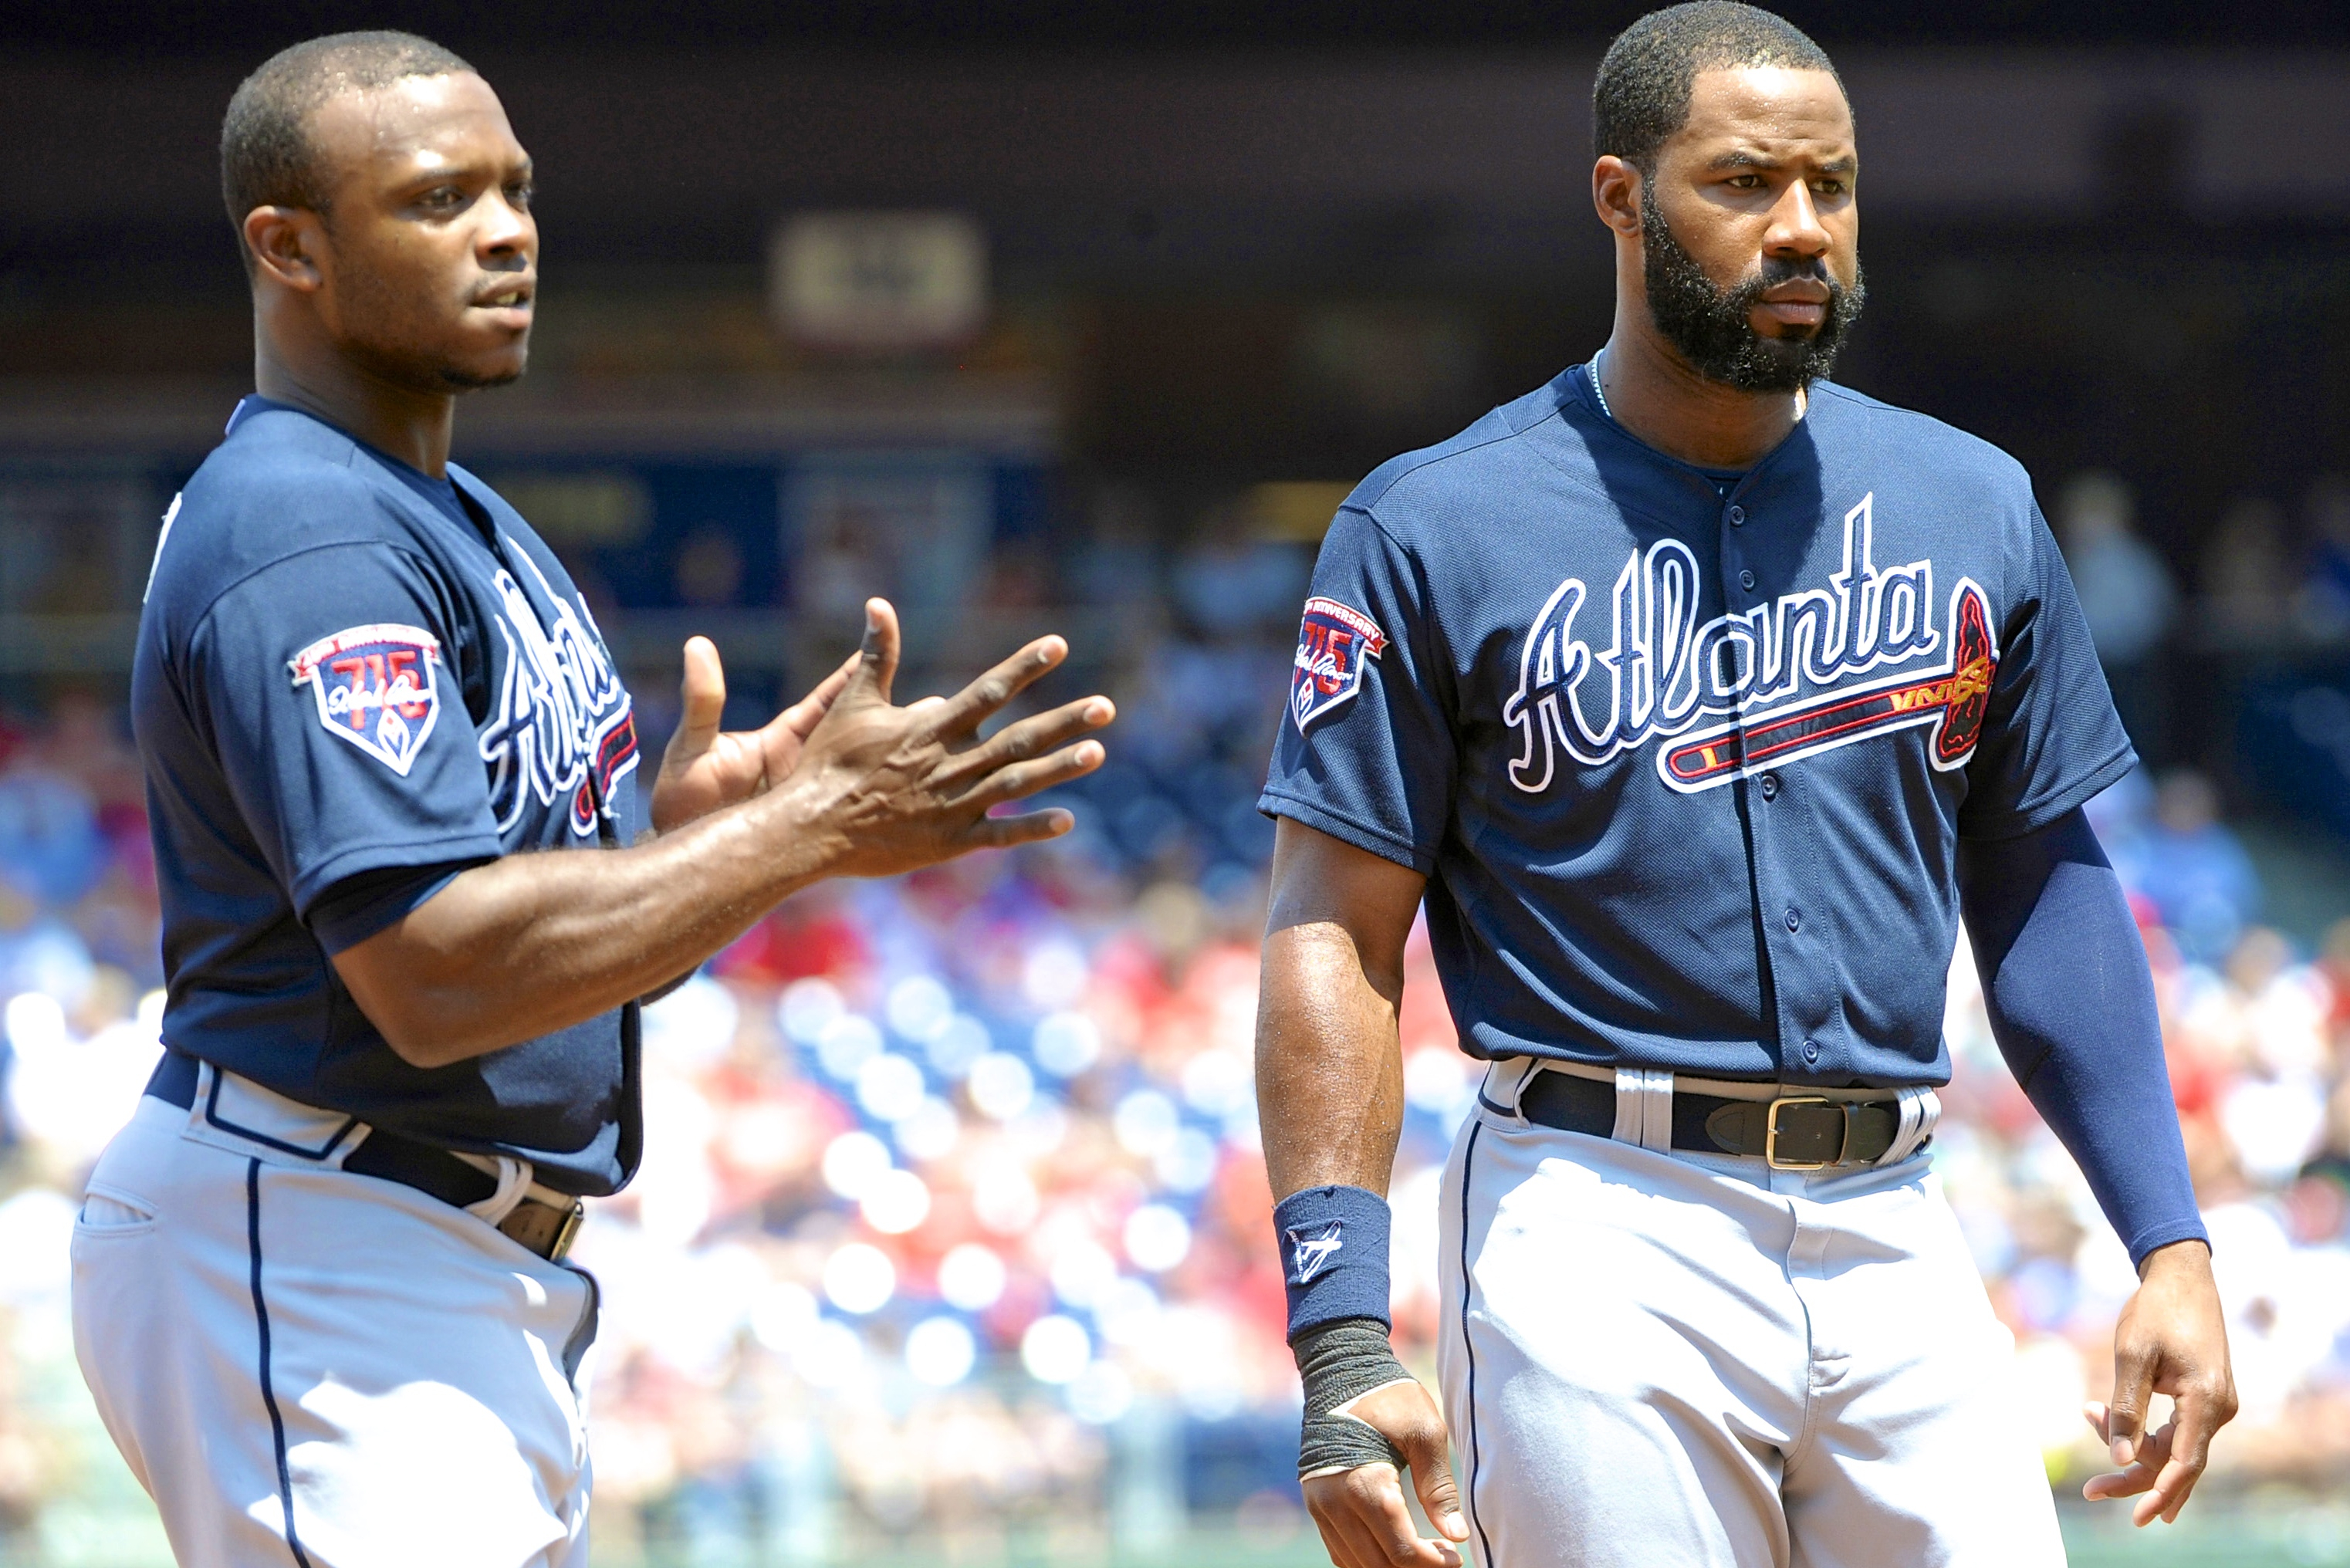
(267, 159)
(1642, 95)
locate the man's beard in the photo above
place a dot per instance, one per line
(1711, 327)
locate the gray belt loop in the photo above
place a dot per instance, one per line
(1643, 1108)
(1921, 1109)
(1505, 1085)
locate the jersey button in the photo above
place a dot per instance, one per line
(1811, 1051)
(1738, 517)
(1746, 581)
(1769, 786)
(1794, 921)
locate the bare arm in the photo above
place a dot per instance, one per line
(1329, 1077)
(533, 943)
(1329, 1066)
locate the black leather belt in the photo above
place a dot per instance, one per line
(541, 1227)
(1794, 1132)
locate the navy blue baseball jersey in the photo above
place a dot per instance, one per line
(1686, 757)
(353, 681)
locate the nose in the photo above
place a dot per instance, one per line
(507, 232)
(1796, 232)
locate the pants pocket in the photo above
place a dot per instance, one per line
(107, 1214)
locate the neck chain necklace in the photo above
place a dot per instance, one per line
(1802, 394)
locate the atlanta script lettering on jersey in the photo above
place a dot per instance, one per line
(1814, 669)
(562, 712)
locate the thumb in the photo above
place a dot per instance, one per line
(2132, 1392)
(876, 656)
(702, 699)
(1425, 1450)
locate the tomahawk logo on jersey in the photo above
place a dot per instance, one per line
(1951, 700)
(1817, 668)
(1599, 667)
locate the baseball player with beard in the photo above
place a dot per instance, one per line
(1696, 698)
(409, 905)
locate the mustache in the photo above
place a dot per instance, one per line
(1772, 271)
(1712, 325)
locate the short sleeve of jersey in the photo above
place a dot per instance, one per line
(1366, 752)
(326, 681)
(2051, 738)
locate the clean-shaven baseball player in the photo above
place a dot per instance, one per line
(1696, 698)
(408, 908)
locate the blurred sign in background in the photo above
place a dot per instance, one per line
(878, 281)
(952, 1241)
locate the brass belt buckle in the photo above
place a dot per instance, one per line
(542, 1227)
(1771, 1135)
(565, 1231)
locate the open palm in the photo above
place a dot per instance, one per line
(704, 767)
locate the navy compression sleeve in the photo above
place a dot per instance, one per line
(2072, 1007)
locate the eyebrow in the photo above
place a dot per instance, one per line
(425, 179)
(1742, 158)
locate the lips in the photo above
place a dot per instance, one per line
(512, 294)
(1801, 302)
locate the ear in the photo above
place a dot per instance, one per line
(288, 245)
(1615, 194)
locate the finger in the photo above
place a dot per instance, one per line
(1378, 1500)
(1364, 1544)
(1329, 1497)
(1425, 1450)
(1021, 780)
(2153, 1458)
(1334, 1515)
(1033, 737)
(1359, 1540)
(2135, 1478)
(803, 715)
(2190, 1450)
(2133, 1392)
(2110, 1484)
(1339, 1555)
(876, 656)
(1028, 827)
(968, 708)
(701, 699)
(2168, 1495)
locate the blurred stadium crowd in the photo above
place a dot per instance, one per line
(952, 1225)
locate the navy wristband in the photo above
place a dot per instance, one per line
(1334, 1255)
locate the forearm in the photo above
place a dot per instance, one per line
(1330, 1098)
(1329, 1066)
(529, 944)
(2071, 1005)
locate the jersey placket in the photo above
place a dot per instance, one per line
(1796, 997)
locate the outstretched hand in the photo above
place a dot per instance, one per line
(704, 767)
(2171, 1339)
(899, 788)
(1361, 1512)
